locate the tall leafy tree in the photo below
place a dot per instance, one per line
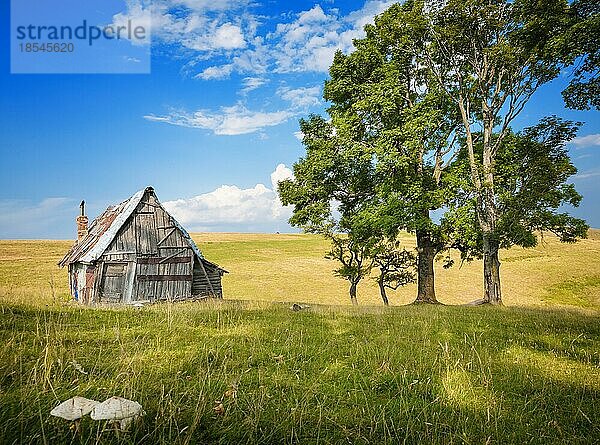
(532, 171)
(398, 117)
(331, 191)
(490, 57)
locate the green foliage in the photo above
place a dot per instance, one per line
(354, 257)
(581, 45)
(396, 266)
(532, 170)
(410, 95)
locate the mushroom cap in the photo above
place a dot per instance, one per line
(74, 408)
(116, 408)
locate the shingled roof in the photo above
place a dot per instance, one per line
(105, 227)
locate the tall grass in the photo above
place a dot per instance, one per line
(327, 375)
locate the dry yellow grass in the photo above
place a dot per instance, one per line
(292, 267)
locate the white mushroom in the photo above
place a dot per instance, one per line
(118, 410)
(74, 408)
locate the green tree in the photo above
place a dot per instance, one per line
(490, 57)
(331, 192)
(396, 266)
(354, 258)
(395, 113)
(581, 45)
(531, 189)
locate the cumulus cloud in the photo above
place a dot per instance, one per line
(232, 120)
(306, 43)
(205, 26)
(215, 72)
(591, 140)
(234, 208)
(229, 28)
(309, 42)
(218, 37)
(137, 14)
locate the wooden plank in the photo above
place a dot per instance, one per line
(129, 282)
(114, 270)
(146, 233)
(164, 238)
(212, 290)
(164, 277)
(164, 260)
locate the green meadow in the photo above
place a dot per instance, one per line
(249, 370)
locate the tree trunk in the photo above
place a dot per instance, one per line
(382, 290)
(425, 272)
(491, 270)
(353, 293)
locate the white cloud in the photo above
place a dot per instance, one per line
(310, 42)
(213, 5)
(137, 14)
(314, 15)
(229, 28)
(591, 140)
(299, 135)
(212, 27)
(281, 173)
(587, 175)
(233, 120)
(215, 72)
(228, 36)
(305, 44)
(302, 97)
(234, 208)
(238, 119)
(217, 37)
(365, 15)
(252, 83)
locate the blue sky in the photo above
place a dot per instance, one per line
(212, 127)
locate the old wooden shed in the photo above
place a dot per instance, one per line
(135, 252)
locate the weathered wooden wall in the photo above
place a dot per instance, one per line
(202, 286)
(149, 259)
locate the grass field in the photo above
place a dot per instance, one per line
(292, 268)
(525, 373)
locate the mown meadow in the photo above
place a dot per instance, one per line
(250, 370)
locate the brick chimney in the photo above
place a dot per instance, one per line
(82, 223)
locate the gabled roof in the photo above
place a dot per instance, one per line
(103, 230)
